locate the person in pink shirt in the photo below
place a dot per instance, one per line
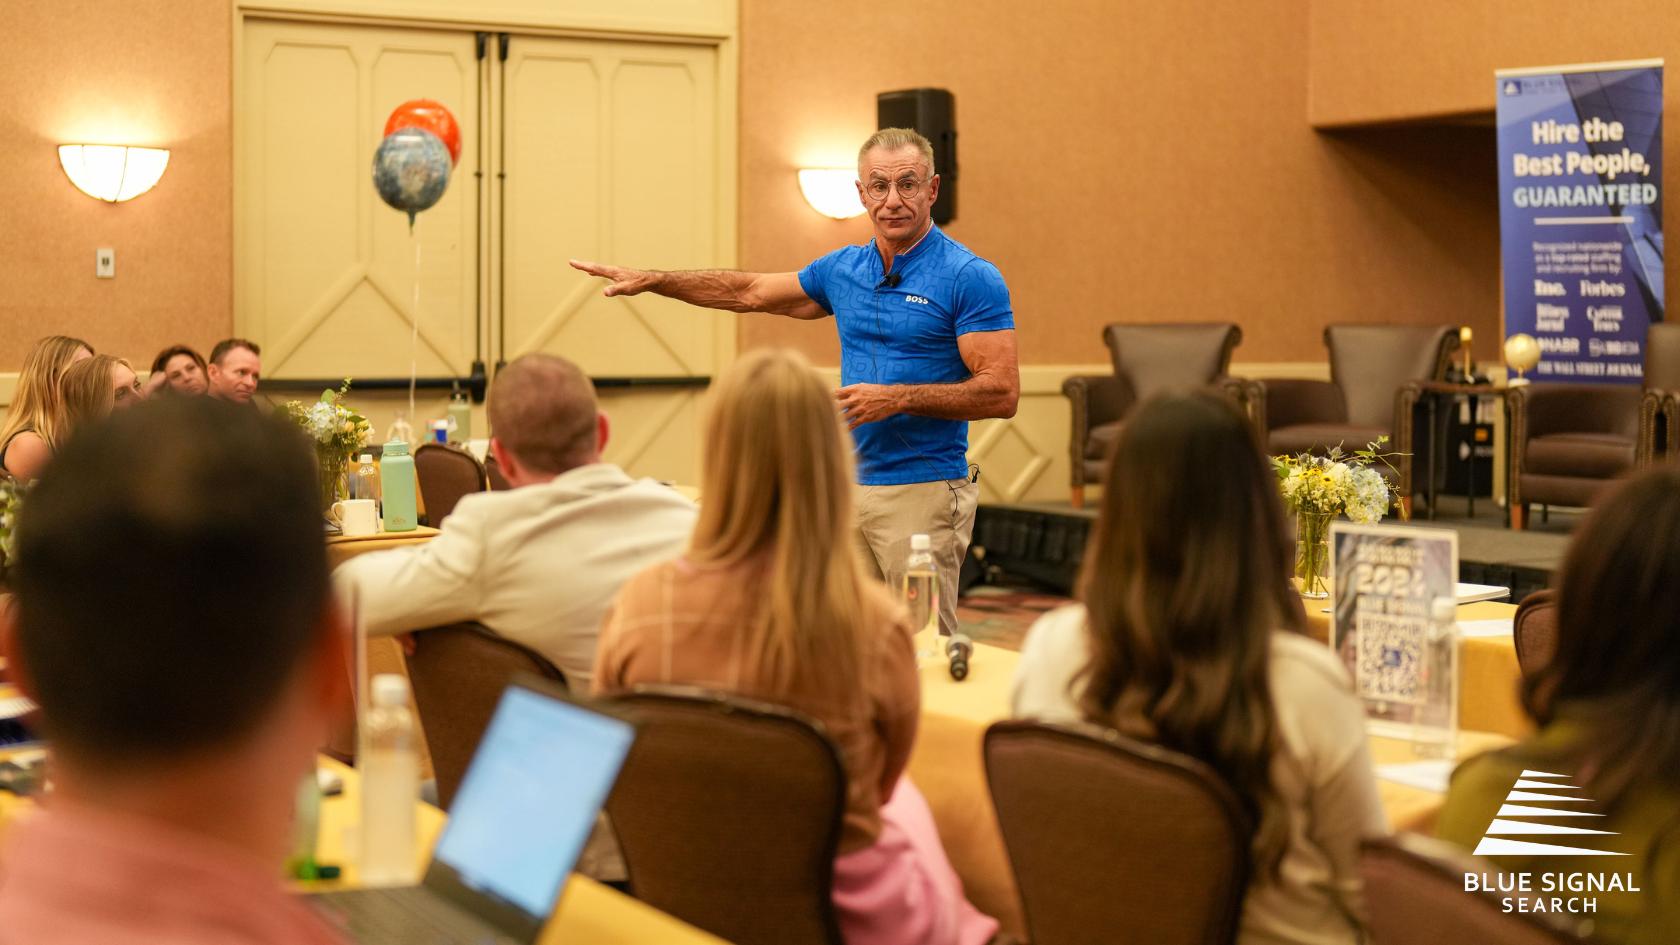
(173, 619)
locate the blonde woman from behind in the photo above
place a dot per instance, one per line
(770, 602)
(30, 433)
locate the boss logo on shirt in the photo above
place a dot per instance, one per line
(916, 299)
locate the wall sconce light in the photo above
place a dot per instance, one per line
(112, 172)
(831, 191)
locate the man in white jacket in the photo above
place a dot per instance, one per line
(539, 563)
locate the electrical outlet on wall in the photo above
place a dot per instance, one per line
(105, 263)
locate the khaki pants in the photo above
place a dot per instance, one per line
(943, 510)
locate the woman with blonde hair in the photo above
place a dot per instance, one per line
(30, 434)
(771, 602)
(1188, 635)
(93, 387)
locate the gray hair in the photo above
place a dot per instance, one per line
(894, 139)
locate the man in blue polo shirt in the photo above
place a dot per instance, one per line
(927, 343)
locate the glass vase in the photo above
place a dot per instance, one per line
(1312, 553)
(334, 468)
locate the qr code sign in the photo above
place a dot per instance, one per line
(1390, 658)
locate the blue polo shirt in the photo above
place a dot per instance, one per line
(907, 334)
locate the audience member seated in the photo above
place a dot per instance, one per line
(93, 387)
(234, 370)
(1189, 635)
(179, 370)
(538, 563)
(1608, 709)
(174, 620)
(770, 602)
(30, 434)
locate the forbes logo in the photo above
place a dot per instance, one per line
(916, 299)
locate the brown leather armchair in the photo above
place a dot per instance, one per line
(1570, 441)
(1375, 377)
(1148, 360)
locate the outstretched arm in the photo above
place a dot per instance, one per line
(992, 390)
(775, 292)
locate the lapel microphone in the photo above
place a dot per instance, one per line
(890, 281)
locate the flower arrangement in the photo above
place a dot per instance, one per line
(11, 499)
(337, 432)
(1317, 489)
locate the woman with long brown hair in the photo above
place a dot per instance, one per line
(1187, 635)
(30, 433)
(771, 602)
(1608, 709)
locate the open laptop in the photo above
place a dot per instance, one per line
(518, 824)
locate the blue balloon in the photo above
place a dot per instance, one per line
(411, 170)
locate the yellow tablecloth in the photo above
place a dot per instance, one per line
(1489, 677)
(948, 767)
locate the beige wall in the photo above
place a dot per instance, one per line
(149, 72)
(1120, 161)
(1379, 61)
(1126, 161)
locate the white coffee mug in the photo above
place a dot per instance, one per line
(356, 518)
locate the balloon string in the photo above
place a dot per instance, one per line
(414, 332)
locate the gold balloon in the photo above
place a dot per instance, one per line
(1522, 353)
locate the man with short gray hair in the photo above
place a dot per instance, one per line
(539, 563)
(927, 343)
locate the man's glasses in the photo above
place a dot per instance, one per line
(876, 189)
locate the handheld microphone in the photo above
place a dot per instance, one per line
(889, 281)
(958, 648)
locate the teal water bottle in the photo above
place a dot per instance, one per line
(396, 479)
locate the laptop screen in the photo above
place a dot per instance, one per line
(530, 796)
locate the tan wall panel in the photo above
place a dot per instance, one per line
(1127, 161)
(1384, 62)
(148, 72)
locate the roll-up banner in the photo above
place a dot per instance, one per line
(1580, 214)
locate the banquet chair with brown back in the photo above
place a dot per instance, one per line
(493, 474)
(458, 673)
(728, 814)
(446, 474)
(1414, 895)
(1116, 841)
(1535, 630)
(1148, 360)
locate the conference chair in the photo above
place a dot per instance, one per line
(1148, 360)
(458, 673)
(1115, 841)
(728, 814)
(1569, 442)
(1376, 373)
(1535, 631)
(446, 474)
(1414, 895)
(493, 474)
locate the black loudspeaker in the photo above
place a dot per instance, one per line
(933, 112)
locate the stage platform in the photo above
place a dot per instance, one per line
(1043, 543)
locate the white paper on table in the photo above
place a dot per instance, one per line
(1430, 775)
(1501, 627)
(480, 448)
(1470, 593)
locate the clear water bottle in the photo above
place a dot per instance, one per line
(390, 785)
(921, 594)
(365, 483)
(1435, 720)
(460, 416)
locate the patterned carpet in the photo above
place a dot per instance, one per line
(1001, 615)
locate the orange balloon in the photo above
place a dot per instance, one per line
(431, 116)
